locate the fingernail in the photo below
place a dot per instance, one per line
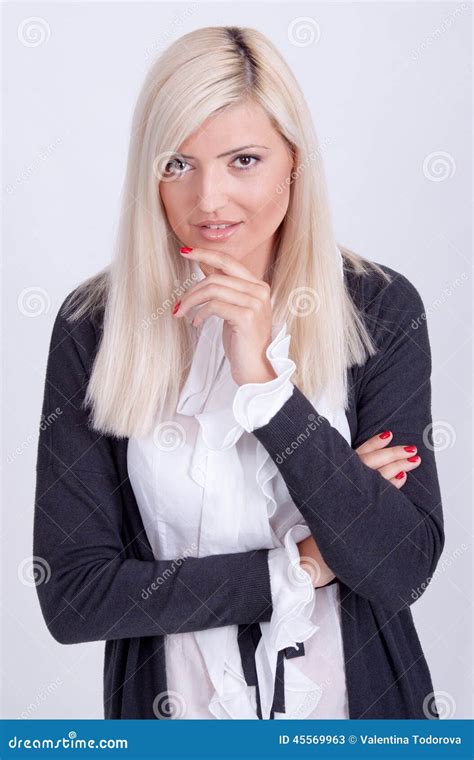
(410, 448)
(413, 459)
(400, 475)
(185, 249)
(385, 434)
(176, 307)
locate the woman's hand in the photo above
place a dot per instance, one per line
(231, 292)
(393, 463)
(390, 463)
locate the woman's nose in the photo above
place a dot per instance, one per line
(211, 191)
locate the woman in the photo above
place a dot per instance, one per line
(244, 525)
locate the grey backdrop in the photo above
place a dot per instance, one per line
(388, 86)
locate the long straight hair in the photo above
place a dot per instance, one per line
(144, 354)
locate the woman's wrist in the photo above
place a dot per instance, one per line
(261, 373)
(311, 560)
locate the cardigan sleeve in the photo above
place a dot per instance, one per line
(87, 588)
(381, 542)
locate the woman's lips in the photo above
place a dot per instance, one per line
(220, 235)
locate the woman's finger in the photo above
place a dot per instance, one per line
(400, 480)
(223, 261)
(246, 286)
(377, 459)
(219, 292)
(202, 291)
(235, 315)
(389, 471)
(375, 442)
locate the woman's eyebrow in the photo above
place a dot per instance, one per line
(228, 152)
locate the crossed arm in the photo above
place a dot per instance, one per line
(381, 541)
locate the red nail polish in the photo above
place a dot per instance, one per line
(176, 307)
(410, 448)
(413, 459)
(400, 475)
(385, 434)
(185, 249)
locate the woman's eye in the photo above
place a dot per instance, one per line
(245, 157)
(174, 164)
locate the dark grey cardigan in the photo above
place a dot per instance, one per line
(382, 543)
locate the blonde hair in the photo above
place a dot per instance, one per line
(144, 354)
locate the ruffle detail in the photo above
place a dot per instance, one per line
(291, 622)
(255, 403)
(292, 592)
(223, 409)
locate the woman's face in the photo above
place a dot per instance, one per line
(214, 178)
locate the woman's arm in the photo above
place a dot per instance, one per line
(391, 462)
(312, 561)
(94, 592)
(383, 543)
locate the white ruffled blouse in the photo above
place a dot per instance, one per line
(205, 485)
